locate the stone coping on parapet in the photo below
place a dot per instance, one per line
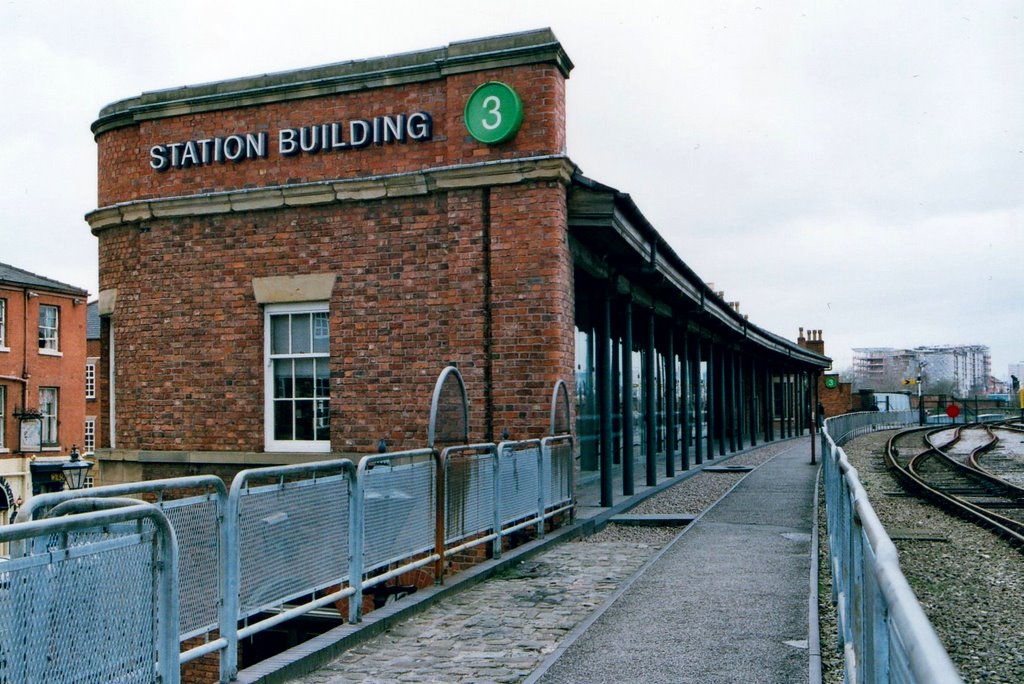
(515, 49)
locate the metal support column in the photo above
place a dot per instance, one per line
(720, 395)
(784, 391)
(627, 399)
(733, 400)
(651, 404)
(670, 402)
(616, 398)
(685, 385)
(698, 407)
(795, 412)
(816, 418)
(769, 406)
(757, 399)
(741, 403)
(604, 379)
(791, 407)
(804, 402)
(711, 392)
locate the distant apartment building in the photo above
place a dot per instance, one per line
(958, 369)
(42, 383)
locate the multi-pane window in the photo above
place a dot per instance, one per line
(89, 440)
(48, 409)
(3, 323)
(90, 380)
(298, 382)
(49, 327)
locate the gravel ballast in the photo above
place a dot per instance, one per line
(969, 581)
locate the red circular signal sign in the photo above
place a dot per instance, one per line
(952, 410)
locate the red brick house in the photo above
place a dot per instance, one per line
(42, 382)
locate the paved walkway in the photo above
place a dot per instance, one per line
(725, 602)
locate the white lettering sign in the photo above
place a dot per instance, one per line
(388, 129)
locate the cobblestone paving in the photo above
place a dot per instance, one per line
(500, 630)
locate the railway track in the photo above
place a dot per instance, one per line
(943, 465)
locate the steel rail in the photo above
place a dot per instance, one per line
(954, 495)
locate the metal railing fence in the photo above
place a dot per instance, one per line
(91, 596)
(472, 497)
(195, 508)
(559, 473)
(399, 519)
(288, 532)
(883, 631)
(519, 475)
(287, 540)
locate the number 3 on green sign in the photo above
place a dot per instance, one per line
(493, 113)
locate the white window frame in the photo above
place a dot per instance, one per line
(90, 379)
(50, 422)
(3, 326)
(49, 343)
(89, 436)
(3, 419)
(271, 444)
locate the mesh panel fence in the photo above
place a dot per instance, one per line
(293, 540)
(399, 510)
(519, 480)
(558, 469)
(469, 493)
(195, 523)
(84, 609)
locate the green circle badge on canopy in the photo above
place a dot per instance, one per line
(831, 381)
(494, 113)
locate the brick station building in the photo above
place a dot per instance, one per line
(288, 261)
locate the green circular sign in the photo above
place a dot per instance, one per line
(831, 381)
(493, 113)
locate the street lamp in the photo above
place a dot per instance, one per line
(76, 469)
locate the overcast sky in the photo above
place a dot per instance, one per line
(855, 167)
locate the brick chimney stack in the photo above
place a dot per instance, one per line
(813, 342)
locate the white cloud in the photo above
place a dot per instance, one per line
(855, 167)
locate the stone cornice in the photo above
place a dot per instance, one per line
(531, 47)
(549, 168)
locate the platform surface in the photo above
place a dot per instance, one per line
(726, 602)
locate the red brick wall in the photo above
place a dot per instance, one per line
(533, 305)
(410, 297)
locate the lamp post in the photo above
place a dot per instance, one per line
(75, 469)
